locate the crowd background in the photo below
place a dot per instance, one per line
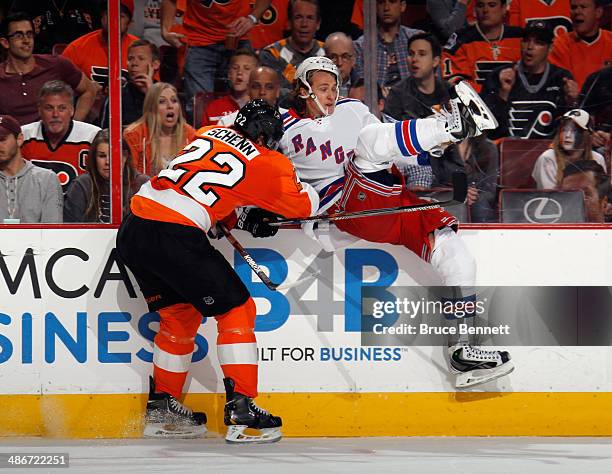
(543, 66)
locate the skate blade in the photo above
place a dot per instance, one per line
(235, 434)
(168, 430)
(482, 115)
(480, 376)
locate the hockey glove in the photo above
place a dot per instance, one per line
(252, 220)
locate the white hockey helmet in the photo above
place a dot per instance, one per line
(310, 65)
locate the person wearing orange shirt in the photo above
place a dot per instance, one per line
(89, 53)
(214, 176)
(473, 52)
(211, 29)
(554, 13)
(589, 47)
(272, 25)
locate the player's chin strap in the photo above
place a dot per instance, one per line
(460, 187)
(312, 95)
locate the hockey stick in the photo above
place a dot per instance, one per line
(460, 186)
(256, 268)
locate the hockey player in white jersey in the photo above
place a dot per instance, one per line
(341, 149)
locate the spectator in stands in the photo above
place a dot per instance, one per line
(528, 97)
(555, 14)
(58, 22)
(264, 83)
(272, 26)
(286, 55)
(89, 199)
(242, 62)
(572, 143)
(210, 27)
(596, 99)
(447, 17)
(143, 64)
(473, 52)
(28, 194)
(57, 141)
(415, 96)
(339, 48)
(586, 49)
(478, 157)
(391, 46)
(589, 177)
(156, 137)
(89, 53)
(23, 73)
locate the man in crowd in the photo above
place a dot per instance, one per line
(90, 52)
(286, 55)
(527, 98)
(589, 47)
(340, 49)
(391, 44)
(23, 73)
(264, 83)
(589, 177)
(473, 52)
(28, 194)
(57, 141)
(143, 64)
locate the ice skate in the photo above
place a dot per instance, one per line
(166, 417)
(242, 413)
(473, 365)
(466, 115)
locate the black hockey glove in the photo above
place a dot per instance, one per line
(252, 220)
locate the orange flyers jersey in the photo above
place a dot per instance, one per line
(218, 172)
(206, 21)
(468, 55)
(555, 13)
(90, 54)
(69, 157)
(579, 57)
(271, 26)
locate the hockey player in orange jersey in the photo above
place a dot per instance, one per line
(183, 277)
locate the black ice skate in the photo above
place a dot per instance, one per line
(466, 114)
(242, 413)
(473, 365)
(168, 418)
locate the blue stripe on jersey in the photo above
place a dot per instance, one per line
(290, 124)
(413, 137)
(423, 159)
(400, 139)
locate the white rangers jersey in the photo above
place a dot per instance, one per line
(320, 147)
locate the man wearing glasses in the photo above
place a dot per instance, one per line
(23, 73)
(339, 48)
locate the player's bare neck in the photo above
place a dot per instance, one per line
(388, 32)
(491, 33)
(427, 85)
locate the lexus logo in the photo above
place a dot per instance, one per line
(542, 210)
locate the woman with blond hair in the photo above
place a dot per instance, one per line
(88, 198)
(572, 143)
(156, 137)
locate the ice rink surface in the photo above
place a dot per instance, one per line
(323, 455)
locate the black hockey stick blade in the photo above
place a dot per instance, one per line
(459, 195)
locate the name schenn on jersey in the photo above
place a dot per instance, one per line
(233, 139)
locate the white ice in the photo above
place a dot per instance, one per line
(326, 455)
